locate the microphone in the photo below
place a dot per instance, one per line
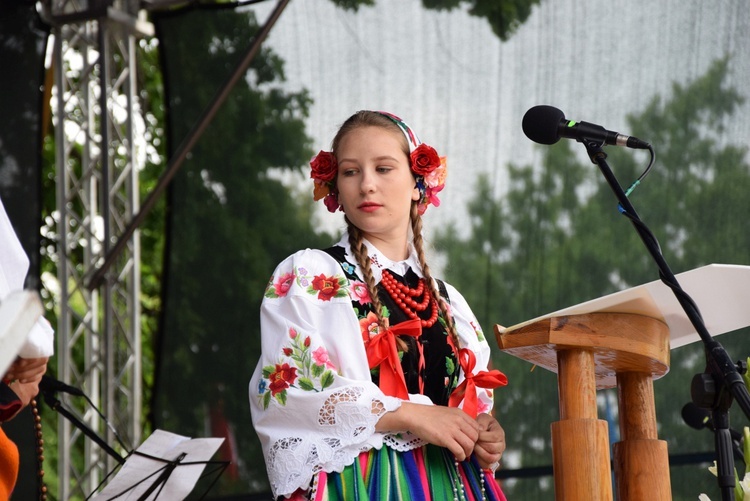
(546, 125)
(52, 385)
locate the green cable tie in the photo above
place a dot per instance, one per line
(632, 187)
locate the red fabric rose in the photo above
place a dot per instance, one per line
(281, 378)
(324, 167)
(332, 203)
(424, 159)
(327, 287)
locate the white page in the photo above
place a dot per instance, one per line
(165, 445)
(721, 292)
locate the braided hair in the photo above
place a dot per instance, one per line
(367, 118)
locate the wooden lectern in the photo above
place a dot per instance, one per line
(621, 340)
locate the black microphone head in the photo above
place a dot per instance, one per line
(696, 417)
(48, 384)
(541, 124)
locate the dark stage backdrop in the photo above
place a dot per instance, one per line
(23, 40)
(229, 222)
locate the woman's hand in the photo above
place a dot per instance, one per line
(447, 427)
(27, 370)
(491, 442)
(23, 377)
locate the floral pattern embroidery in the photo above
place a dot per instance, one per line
(369, 327)
(450, 368)
(323, 286)
(306, 370)
(477, 330)
(320, 357)
(281, 378)
(281, 286)
(359, 292)
(484, 407)
(328, 287)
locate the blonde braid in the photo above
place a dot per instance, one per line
(356, 242)
(416, 227)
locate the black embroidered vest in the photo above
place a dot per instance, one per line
(440, 374)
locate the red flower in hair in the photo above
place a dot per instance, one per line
(424, 160)
(332, 203)
(323, 171)
(324, 167)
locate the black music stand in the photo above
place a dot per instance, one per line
(165, 466)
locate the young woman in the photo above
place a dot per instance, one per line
(373, 381)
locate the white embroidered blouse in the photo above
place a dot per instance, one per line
(313, 403)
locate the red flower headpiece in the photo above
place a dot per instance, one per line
(323, 170)
(428, 167)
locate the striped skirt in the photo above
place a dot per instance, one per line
(429, 473)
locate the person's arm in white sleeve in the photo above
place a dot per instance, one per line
(313, 402)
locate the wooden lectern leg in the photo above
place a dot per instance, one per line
(580, 444)
(641, 461)
(580, 459)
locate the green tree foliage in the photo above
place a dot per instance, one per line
(230, 222)
(152, 230)
(557, 239)
(504, 16)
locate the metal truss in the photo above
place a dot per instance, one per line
(98, 331)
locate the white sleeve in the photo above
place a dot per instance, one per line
(312, 399)
(41, 341)
(471, 336)
(14, 265)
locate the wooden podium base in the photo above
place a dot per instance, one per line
(641, 462)
(580, 453)
(597, 351)
(642, 470)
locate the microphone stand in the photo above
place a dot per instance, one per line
(56, 405)
(721, 382)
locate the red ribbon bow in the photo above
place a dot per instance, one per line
(467, 390)
(382, 350)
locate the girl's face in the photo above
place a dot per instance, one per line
(375, 183)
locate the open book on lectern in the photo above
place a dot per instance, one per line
(721, 292)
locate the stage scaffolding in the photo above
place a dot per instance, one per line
(98, 213)
(98, 331)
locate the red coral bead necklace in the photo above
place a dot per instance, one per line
(407, 298)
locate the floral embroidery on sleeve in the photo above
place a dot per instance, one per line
(323, 286)
(484, 407)
(281, 286)
(328, 287)
(307, 370)
(477, 330)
